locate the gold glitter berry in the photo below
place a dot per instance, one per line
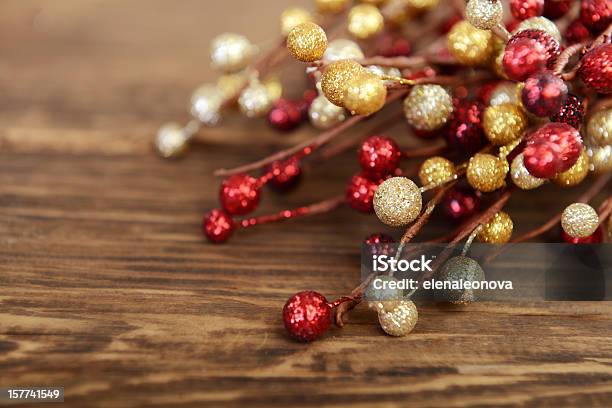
(335, 79)
(579, 220)
(576, 173)
(307, 42)
(498, 230)
(486, 172)
(397, 201)
(484, 14)
(397, 318)
(365, 94)
(504, 123)
(428, 107)
(470, 45)
(436, 170)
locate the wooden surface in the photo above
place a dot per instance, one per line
(108, 289)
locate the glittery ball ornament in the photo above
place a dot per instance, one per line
(504, 124)
(521, 176)
(428, 107)
(218, 226)
(599, 128)
(464, 130)
(307, 42)
(206, 104)
(539, 23)
(293, 17)
(594, 238)
(601, 159)
(461, 203)
(239, 194)
(231, 52)
(470, 45)
(571, 112)
(230, 84)
(524, 9)
(528, 52)
(335, 79)
(397, 318)
(457, 269)
(486, 172)
(576, 173)
(285, 115)
(286, 174)
(255, 101)
(596, 69)
(596, 14)
(307, 315)
(171, 141)
(379, 156)
(436, 170)
(579, 220)
(544, 93)
(576, 32)
(365, 94)
(323, 114)
(331, 6)
(498, 230)
(552, 149)
(379, 244)
(341, 49)
(360, 193)
(365, 21)
(397, 201)
(484, 14)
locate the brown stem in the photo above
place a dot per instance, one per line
(605, 209)
(424, 152)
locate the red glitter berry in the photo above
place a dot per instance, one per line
(360, 193)
(571, 112)
(393, 45)
(596, 14)
(523, 57)
(576, 32)
(553, 49)
(461, 203)
(594, 238)
(286, 174)
(306, 315)
(464, 130)
(379, 156)
(543, 93)
(524, 9)
(552, 149)
(286, 115)
(554, 9)
(596, 69)
(378, 244)
(218, 226)
(239, 194)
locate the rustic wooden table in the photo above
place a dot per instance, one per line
(108, 289)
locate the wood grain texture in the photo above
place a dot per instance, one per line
(108, 289)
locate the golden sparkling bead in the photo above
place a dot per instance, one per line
(579, 220)
(397, 318)
(365, 21)
(373, 2)
(521, 176)
(397, 201)
(504, 123)
(342, 49)
(576, 173)
(365, 94)
(331, 6)
(486, 172)
(230, 84)
(323, 114)
(307, 42)
(274, 87)
(470, 45)
(428, 107)
(484, 14)
(504, 93)
(231, 52)
(293, 17)
(421, 5)
(206, 104)
(601, 159)
(436, 170)
(498, 230)
(599, 128)
(255, 100)
(335, 79)
(540, 23)
(171, 141)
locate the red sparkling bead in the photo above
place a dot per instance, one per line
(596, 69)
(512, 25)
(594, 238)
(571, 112)
(360, 193)
(596, 14)
(543, 93)
(552, 149)
(464, 129)
(576, 32)
(553, 49)
(377, 244)
(524, 9)
(286, 115)
(286, 174)
(379, 156)
(554, 9)
(523, 57)
(239, 194)
(461, 203)
(393, 45)
(306, 315)
(218, 226)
